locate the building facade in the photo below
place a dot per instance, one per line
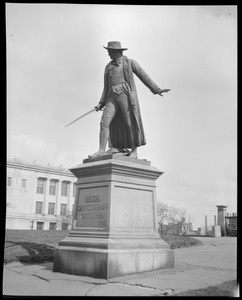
(231, 224)
(181, 228)
(39, 197)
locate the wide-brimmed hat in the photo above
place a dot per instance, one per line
(114, 45)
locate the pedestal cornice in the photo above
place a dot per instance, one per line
(117, 166)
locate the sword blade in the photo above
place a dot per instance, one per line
(82, 116)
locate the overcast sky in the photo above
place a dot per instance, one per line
(55, 67)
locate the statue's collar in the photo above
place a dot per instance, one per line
(117, 61)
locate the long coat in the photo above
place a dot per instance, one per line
(120, 136)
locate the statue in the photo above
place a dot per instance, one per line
(121, 122)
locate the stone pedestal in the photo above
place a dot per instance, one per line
(217, 231)
(115, 229)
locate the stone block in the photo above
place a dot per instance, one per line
(217, 231)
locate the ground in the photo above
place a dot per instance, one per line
(32, 248)
(226, 289)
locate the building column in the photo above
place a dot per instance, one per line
(74, 192)
(58, 197)
(69, 194)
(46, 190)
(221, 218)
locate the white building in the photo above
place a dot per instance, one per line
(38, 197)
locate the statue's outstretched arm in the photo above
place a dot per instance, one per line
(145, 78)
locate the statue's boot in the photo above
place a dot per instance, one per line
(97, 154)
(133, 154)
(112, 151)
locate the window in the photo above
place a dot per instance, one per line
(24, 181)
(63, 209)
(51, 209)
(39, 207)
(52, 226)
(40, 186)
(40, 225)
(52, 190)
(64, 188)
(9, 183)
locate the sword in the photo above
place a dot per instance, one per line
(82, 116)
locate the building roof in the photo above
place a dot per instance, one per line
(35, 166)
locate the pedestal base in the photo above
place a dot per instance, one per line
(105, 263)
(115, 229)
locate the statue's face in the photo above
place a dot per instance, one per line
(114, 53)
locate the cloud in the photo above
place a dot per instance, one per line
(221, 10)
(70, 159)
(30, 148)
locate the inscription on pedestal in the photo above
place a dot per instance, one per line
(92, 199)
(92, 208)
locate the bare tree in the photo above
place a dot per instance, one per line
(189, 218)
(162, 212)
(64, 222)
(170, 214)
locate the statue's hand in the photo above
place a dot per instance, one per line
(99, 107)
(162, 91)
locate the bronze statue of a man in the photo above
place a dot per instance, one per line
(121, 122)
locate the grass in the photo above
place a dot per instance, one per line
(37, 246)
(226, 289)
(26, 252)
(48, 237)
(31, 246)
(180, 241)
